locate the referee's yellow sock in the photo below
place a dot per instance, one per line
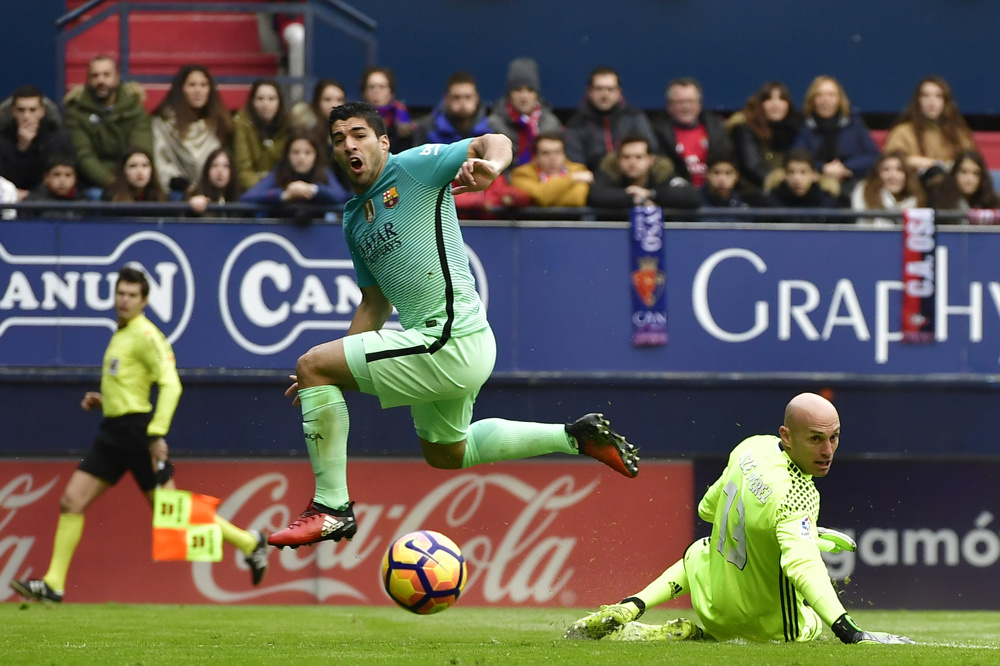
(68, 532)
(491, 440)
(240, 538)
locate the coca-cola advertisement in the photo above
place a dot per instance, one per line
(534, 533)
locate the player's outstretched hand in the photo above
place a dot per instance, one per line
(602, 622)
(848, 631)
(475, 175)
(293, 390)
(832, 541)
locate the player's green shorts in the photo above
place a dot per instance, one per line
(735, 616)
(440, 387)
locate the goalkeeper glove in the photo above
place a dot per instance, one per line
(607, 619)
(832, 541)
(848, 631)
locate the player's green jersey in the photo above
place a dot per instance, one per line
(137, 356)
(403, 235)
(762, 562)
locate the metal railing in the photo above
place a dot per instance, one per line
(814, 218)
(333, 13)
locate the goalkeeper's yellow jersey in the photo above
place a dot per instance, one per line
(137, 357)
(762, 562)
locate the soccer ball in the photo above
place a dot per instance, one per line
(424, 572)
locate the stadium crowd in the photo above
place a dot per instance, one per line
(103, 144)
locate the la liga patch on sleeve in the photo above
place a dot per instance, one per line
(805, 530)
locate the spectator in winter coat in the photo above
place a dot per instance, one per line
(602, 120)
(720, 188)
(105, 119)
(188, 124)
(550, 179)
(762, 133)
(521, 115)
(217, 184)
(635, 177)
(58, 184)
(29, 137)
(838, 139)
(688, 133)
(301, 175)
(460, 114)
(260, 132)
(800, 188)
(891, 184)
(968, 186)
(931, 131)
(135, 179)
(378, 88)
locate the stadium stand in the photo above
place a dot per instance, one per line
(161, 42)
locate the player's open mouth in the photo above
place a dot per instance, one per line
(355, 163)
(823, 464)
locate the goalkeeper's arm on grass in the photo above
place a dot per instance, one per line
(806, 570)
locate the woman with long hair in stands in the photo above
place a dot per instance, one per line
(301, 175)
(838, 138)
(188, 124)
(135, 179)
(260, 132)
(931, 131)
(968, 185)
(891, 184)
(762, 132)
(217, 184)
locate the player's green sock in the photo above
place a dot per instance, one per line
(325, 423)
(491, 440)
(68, 531)
(240, 538)
(671, 584)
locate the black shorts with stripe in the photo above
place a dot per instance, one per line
(122, 445)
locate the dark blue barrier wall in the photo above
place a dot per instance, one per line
(558, 298)
(878, 50)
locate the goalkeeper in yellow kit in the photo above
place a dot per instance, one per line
(760, 575)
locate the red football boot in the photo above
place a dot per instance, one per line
(595, 438)
(317, 524)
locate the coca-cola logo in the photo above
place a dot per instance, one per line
(16, 494)
(526, 563)
(534, 533)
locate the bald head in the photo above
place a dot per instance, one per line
(809, 405)
(811, 433)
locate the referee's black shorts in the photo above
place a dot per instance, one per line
(122, 445)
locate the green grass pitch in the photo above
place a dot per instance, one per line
(110, 634)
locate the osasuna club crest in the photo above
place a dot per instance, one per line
(369, 211)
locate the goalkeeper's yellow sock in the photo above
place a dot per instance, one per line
(669, 585)
(491, 440)
(240, 538)
(68, 532)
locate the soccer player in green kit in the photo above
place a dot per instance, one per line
(760, 575)
(131, 437)
(403, 234)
